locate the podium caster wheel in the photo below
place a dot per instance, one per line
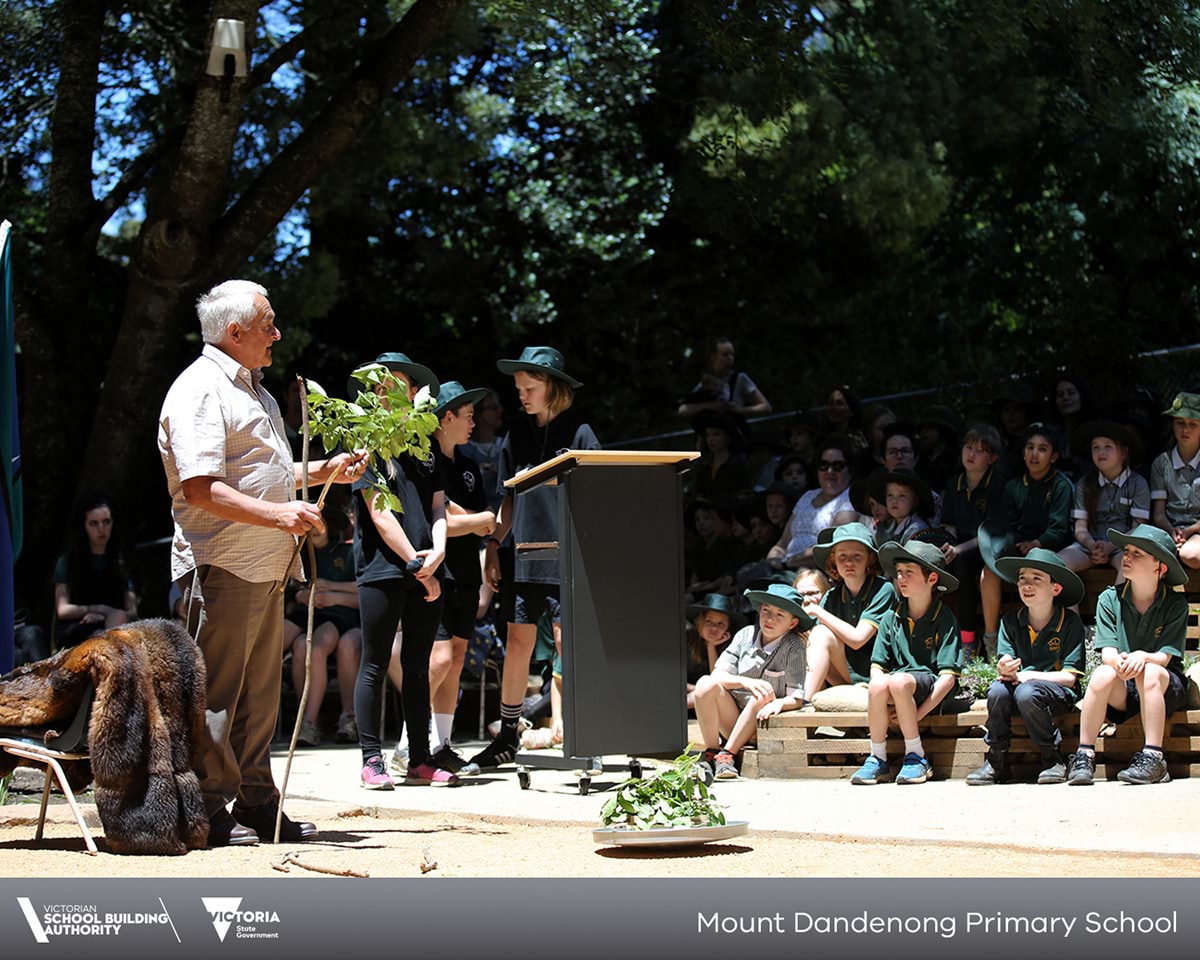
(523, 779)
(585, 784)
(635, 769)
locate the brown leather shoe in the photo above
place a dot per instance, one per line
(225, 831)
(262, 820)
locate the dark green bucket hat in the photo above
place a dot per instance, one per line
(1050, 564)
(545, 360)
(719, 603)
(1186, 405)
(454, 395)
(925, 554)
(847, 532)
(879, 479)
(420, 374)
(1123, 434)
(1158, 544)
(785, 598)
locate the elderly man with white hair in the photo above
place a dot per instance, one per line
(233, 485)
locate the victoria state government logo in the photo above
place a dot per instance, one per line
(226, 912)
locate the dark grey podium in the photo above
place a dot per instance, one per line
(620, 554)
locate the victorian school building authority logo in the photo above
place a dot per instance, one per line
(86, 920)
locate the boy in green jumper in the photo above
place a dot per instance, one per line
(1036, 512)
(1041, 661)
(916, 659)
(1141, 629)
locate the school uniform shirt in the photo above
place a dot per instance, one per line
(1178, 482)
(872, 603)
(535, 512)
(1119, 503)
(784, 662)
(464, 486)
(928, 644)
(1057, 646)
(1040, 509)
(1162, 628)
(965, 509)
(414, 483)
(899, 530)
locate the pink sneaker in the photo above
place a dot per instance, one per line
(374, 775)
(427, 775)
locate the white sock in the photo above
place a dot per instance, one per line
(914, 746)
(879, 750)
(444, 726)
(402, 743)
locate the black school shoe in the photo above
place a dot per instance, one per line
(1081, 769)
(261, 819)
(225, 831)
(1146, 767)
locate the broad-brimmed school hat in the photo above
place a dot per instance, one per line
(846, 533)
(545, 360)
(1049, 562)
(719, 603)
(785, 577)
(861, 489)
(420, 374)
(996, 540)
(1159, 544)
(722, 508)
(877, 488)
(1125, 435)
(785, 598)
(925, 554)
(1185, 405)
(1013, 391)
(454, 395)
(941, 416)
(719, 420)
(784, 490)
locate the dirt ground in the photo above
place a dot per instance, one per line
(390, 843)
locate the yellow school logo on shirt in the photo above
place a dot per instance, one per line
(929, 643)
(1157, 632)
(1055, 644)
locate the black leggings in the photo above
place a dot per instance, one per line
(382, 606)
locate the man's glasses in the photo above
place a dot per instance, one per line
(832, 466)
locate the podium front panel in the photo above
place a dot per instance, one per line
(624, 656)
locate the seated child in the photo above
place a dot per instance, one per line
(971, 497)
(1110, 495)
(1175, 480)
(1035, 512)
(760, 674)
(916, 659)
(849, 614)
(1041, 661)
(811, 584)
(909, 504)
(714, 621)
(1141, 630)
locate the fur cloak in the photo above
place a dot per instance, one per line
(146, 723)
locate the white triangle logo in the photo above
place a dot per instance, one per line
(219, 908)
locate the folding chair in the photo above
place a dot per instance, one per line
(33, 744)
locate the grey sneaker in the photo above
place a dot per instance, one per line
(1146, 768)
(725, 768)
(399, 762)
(310, 734)
(1081, 769)
(347, 730)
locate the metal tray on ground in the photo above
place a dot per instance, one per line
(670, 836)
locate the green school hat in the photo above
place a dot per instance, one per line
(454, 395)
(420, 374)
(545, 360)
(877, 488)
(1158, 544)
(785, 598)
(1049, 562)
(861, 489)
(847, 532)
(925, 554)
(996, 540)
(718, 603)
(1185, 405)
(941, 416)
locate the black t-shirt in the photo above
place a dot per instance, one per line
(535, 513)
(464, 486)
(414, 482)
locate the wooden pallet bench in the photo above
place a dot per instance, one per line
(821, 745)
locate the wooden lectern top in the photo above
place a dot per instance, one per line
(552, 469)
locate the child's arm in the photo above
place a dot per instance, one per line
(852, 636)
(779, 705)
(1158, 516)
(942, 686)
(1158, 493)
(1058, 517)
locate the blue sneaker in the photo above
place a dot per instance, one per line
(916, 769)
(873, 771)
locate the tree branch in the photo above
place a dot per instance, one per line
(282, 54)
(131, 179)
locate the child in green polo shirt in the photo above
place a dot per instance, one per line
(916, 659)
(1041, 661)
(760, 674)
(849, 614)
(1036, 510)
(1141, 629)
(1175, 480)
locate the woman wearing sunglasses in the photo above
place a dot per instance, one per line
(826, 506)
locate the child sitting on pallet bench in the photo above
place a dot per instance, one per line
(1141, 630)
(1041, 661)
(760, 674)
(916, 659)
